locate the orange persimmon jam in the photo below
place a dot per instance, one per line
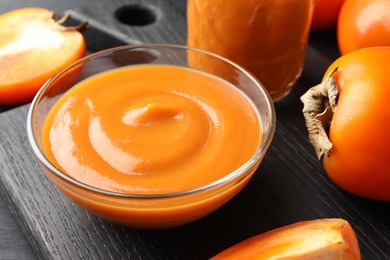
(140, 137)
(267, 37)
(151, 129)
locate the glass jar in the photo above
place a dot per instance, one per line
(267, 37)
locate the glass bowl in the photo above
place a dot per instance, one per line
(163, 209)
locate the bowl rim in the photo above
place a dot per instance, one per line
(265, 143)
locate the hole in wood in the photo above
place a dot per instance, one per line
(135, 15)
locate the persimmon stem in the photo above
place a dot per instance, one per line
(59, 23)
(318, 108)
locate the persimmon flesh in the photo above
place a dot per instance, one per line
(33, 47)
(331, 238)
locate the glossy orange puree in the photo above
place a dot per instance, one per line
(151, 129)
(267, 37)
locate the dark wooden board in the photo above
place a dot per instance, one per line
(289, 186)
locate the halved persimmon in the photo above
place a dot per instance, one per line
(331, 238)
(34, 45)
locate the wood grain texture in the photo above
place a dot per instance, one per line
(13, 244)
(289, 186)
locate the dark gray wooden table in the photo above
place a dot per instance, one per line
(36, 221)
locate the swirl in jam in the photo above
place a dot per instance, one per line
(151, 129)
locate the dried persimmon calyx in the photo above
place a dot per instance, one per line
(318, 107)
(59, 23)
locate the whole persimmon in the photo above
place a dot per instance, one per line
(34, 45)
(325, 14)
(348, 120)
(363, 23)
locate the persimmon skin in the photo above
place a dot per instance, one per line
(360, 128)
(32, 49)
(331, 238)
(363, 23)
(325, 14)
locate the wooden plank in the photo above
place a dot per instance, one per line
(13, 243)
(169, 26)
(289, 186)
